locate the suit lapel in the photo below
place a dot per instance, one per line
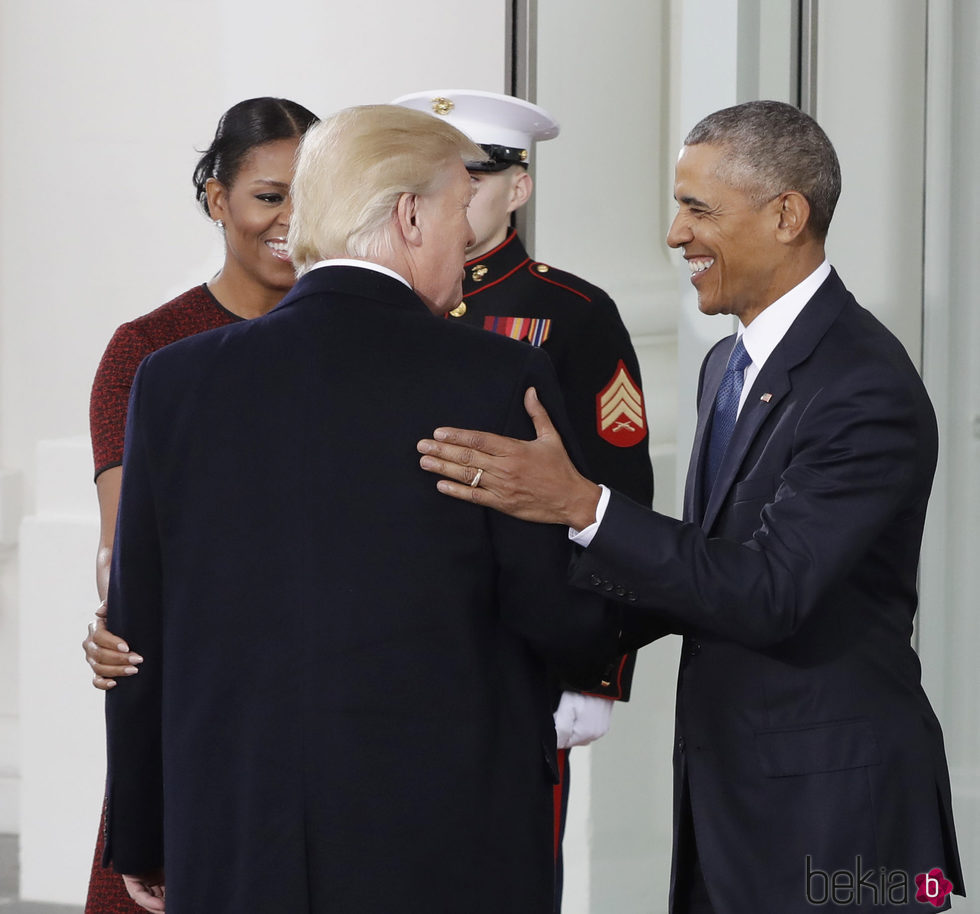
(771, 387)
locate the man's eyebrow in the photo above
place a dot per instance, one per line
(692, 201)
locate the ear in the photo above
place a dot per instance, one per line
(520, 192)
(217, 195)
(794, 215)
(407, 219)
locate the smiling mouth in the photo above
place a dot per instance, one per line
(278, 248)
(698, 265)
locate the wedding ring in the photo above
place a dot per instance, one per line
(477, 478)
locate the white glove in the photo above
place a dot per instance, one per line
(581, 719)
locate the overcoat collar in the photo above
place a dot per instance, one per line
(771, 386)
(356, 282)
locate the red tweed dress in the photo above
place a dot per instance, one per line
(190, 313)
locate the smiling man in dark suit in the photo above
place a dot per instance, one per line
(809, 765)
(345, 702)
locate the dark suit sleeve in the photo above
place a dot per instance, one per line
(578, 636)
(134, 814)
(861, 456)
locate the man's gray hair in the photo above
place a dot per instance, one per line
(770, 148)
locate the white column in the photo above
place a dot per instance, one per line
(871, 60)
(10, 517)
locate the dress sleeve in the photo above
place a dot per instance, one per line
(110, 394)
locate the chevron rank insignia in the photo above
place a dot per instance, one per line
(619, 410)
(534, 329)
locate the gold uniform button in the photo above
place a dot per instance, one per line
(479, 271)
(542, 268)
(459, 310)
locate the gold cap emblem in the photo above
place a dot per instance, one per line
(442, 105)
(479, 271)
(459, 310)
(523, 155)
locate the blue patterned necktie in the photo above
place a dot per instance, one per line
(726, 412)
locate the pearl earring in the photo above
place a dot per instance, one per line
(219, 223)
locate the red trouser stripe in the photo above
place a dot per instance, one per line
(558, 793)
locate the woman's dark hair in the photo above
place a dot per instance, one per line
(242, 127)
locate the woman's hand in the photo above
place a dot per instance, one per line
(108, 655)
(147, 890)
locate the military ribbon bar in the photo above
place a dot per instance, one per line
(534, 329)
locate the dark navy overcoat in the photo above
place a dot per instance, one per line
(346, 700)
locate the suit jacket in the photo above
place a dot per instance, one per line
(345, 703)
(802, 731)
(579, 326)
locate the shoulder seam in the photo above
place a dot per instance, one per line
(553, 282)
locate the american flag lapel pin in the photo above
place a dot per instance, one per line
(765, 398)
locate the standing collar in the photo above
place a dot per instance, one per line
(509, 253)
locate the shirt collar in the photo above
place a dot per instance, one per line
(364, 264)
(769, 327)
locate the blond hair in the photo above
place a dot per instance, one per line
(351, 170)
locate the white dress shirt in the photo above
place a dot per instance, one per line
(766, 332)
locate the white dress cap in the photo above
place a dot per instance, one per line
(488, 119)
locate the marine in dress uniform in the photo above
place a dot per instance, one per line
(507, 292)
(578, 325)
